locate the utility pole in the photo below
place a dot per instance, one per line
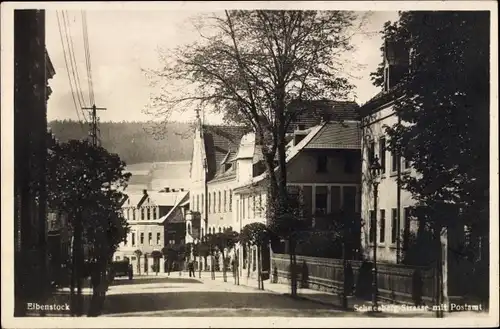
(93, 124)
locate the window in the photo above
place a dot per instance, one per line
(394, 166)
(382, 153)
(238, 215)
(149, 213)
(209, 202)
(155, 215)
(198, 202)
(321, 197)
(322, 164)
(189, 228)
(394, 225)
(220, 229)
(406, 229)
(215, 203)
(142, 213)
(382, 225)
(254, 206)
(243, 208)
(202, 203)
(371, 152)
(230, 200)
(225, 201)
(133, 239)
(372, 226)
(133, 214)
(219, 202)
(202, 232)
(158, 238)
(349, 163)
(128, 213)
(249, 206)
(150, 238)
(259, 205)
(406, 164)
(117, 258)
(142, 238)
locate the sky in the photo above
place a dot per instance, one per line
(122, 42)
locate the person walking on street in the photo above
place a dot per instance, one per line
(191, 268)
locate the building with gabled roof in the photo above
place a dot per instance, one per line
(226, 158)
(156, 220)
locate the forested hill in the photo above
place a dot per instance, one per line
(135, 142)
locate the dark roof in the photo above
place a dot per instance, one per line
(337, 135)
(379, 100)
(313, 113)
(219, 141)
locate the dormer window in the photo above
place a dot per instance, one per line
(297, 138)
(227, 166)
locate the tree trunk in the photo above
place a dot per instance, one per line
(224, 266)
(212, 267)
(199, 266)
(259, 264)
(439, 272)
(293, 267)
(76, 273)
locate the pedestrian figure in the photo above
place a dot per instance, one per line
(191, 268)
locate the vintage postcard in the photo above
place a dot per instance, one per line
(249, 164)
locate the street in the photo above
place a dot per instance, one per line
(184, 296)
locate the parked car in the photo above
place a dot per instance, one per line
(121, 268)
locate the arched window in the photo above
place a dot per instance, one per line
(202, 231)
(142, 213)
(189, 228)
(154, 213)
(149, 213)
(219, 201)
(133, 213)
(215, 203)
(198, 202)
(220, 229)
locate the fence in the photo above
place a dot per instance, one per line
(396, 283)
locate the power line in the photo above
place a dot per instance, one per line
(74, 64)
(87, 57)
(67, 70)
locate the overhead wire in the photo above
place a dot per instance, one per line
(68, 71)
(87, 57)
(74, 66)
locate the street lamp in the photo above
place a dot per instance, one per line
(375, 169)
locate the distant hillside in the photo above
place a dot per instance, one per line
(135, 142)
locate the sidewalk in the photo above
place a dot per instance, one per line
(354, 304)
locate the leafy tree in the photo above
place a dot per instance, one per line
(83, 181)
(225, 241)
(256, 234)
(443, 102)
(138, 254)
(255, 67)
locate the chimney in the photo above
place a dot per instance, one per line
(167, 189)
(145, 192)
